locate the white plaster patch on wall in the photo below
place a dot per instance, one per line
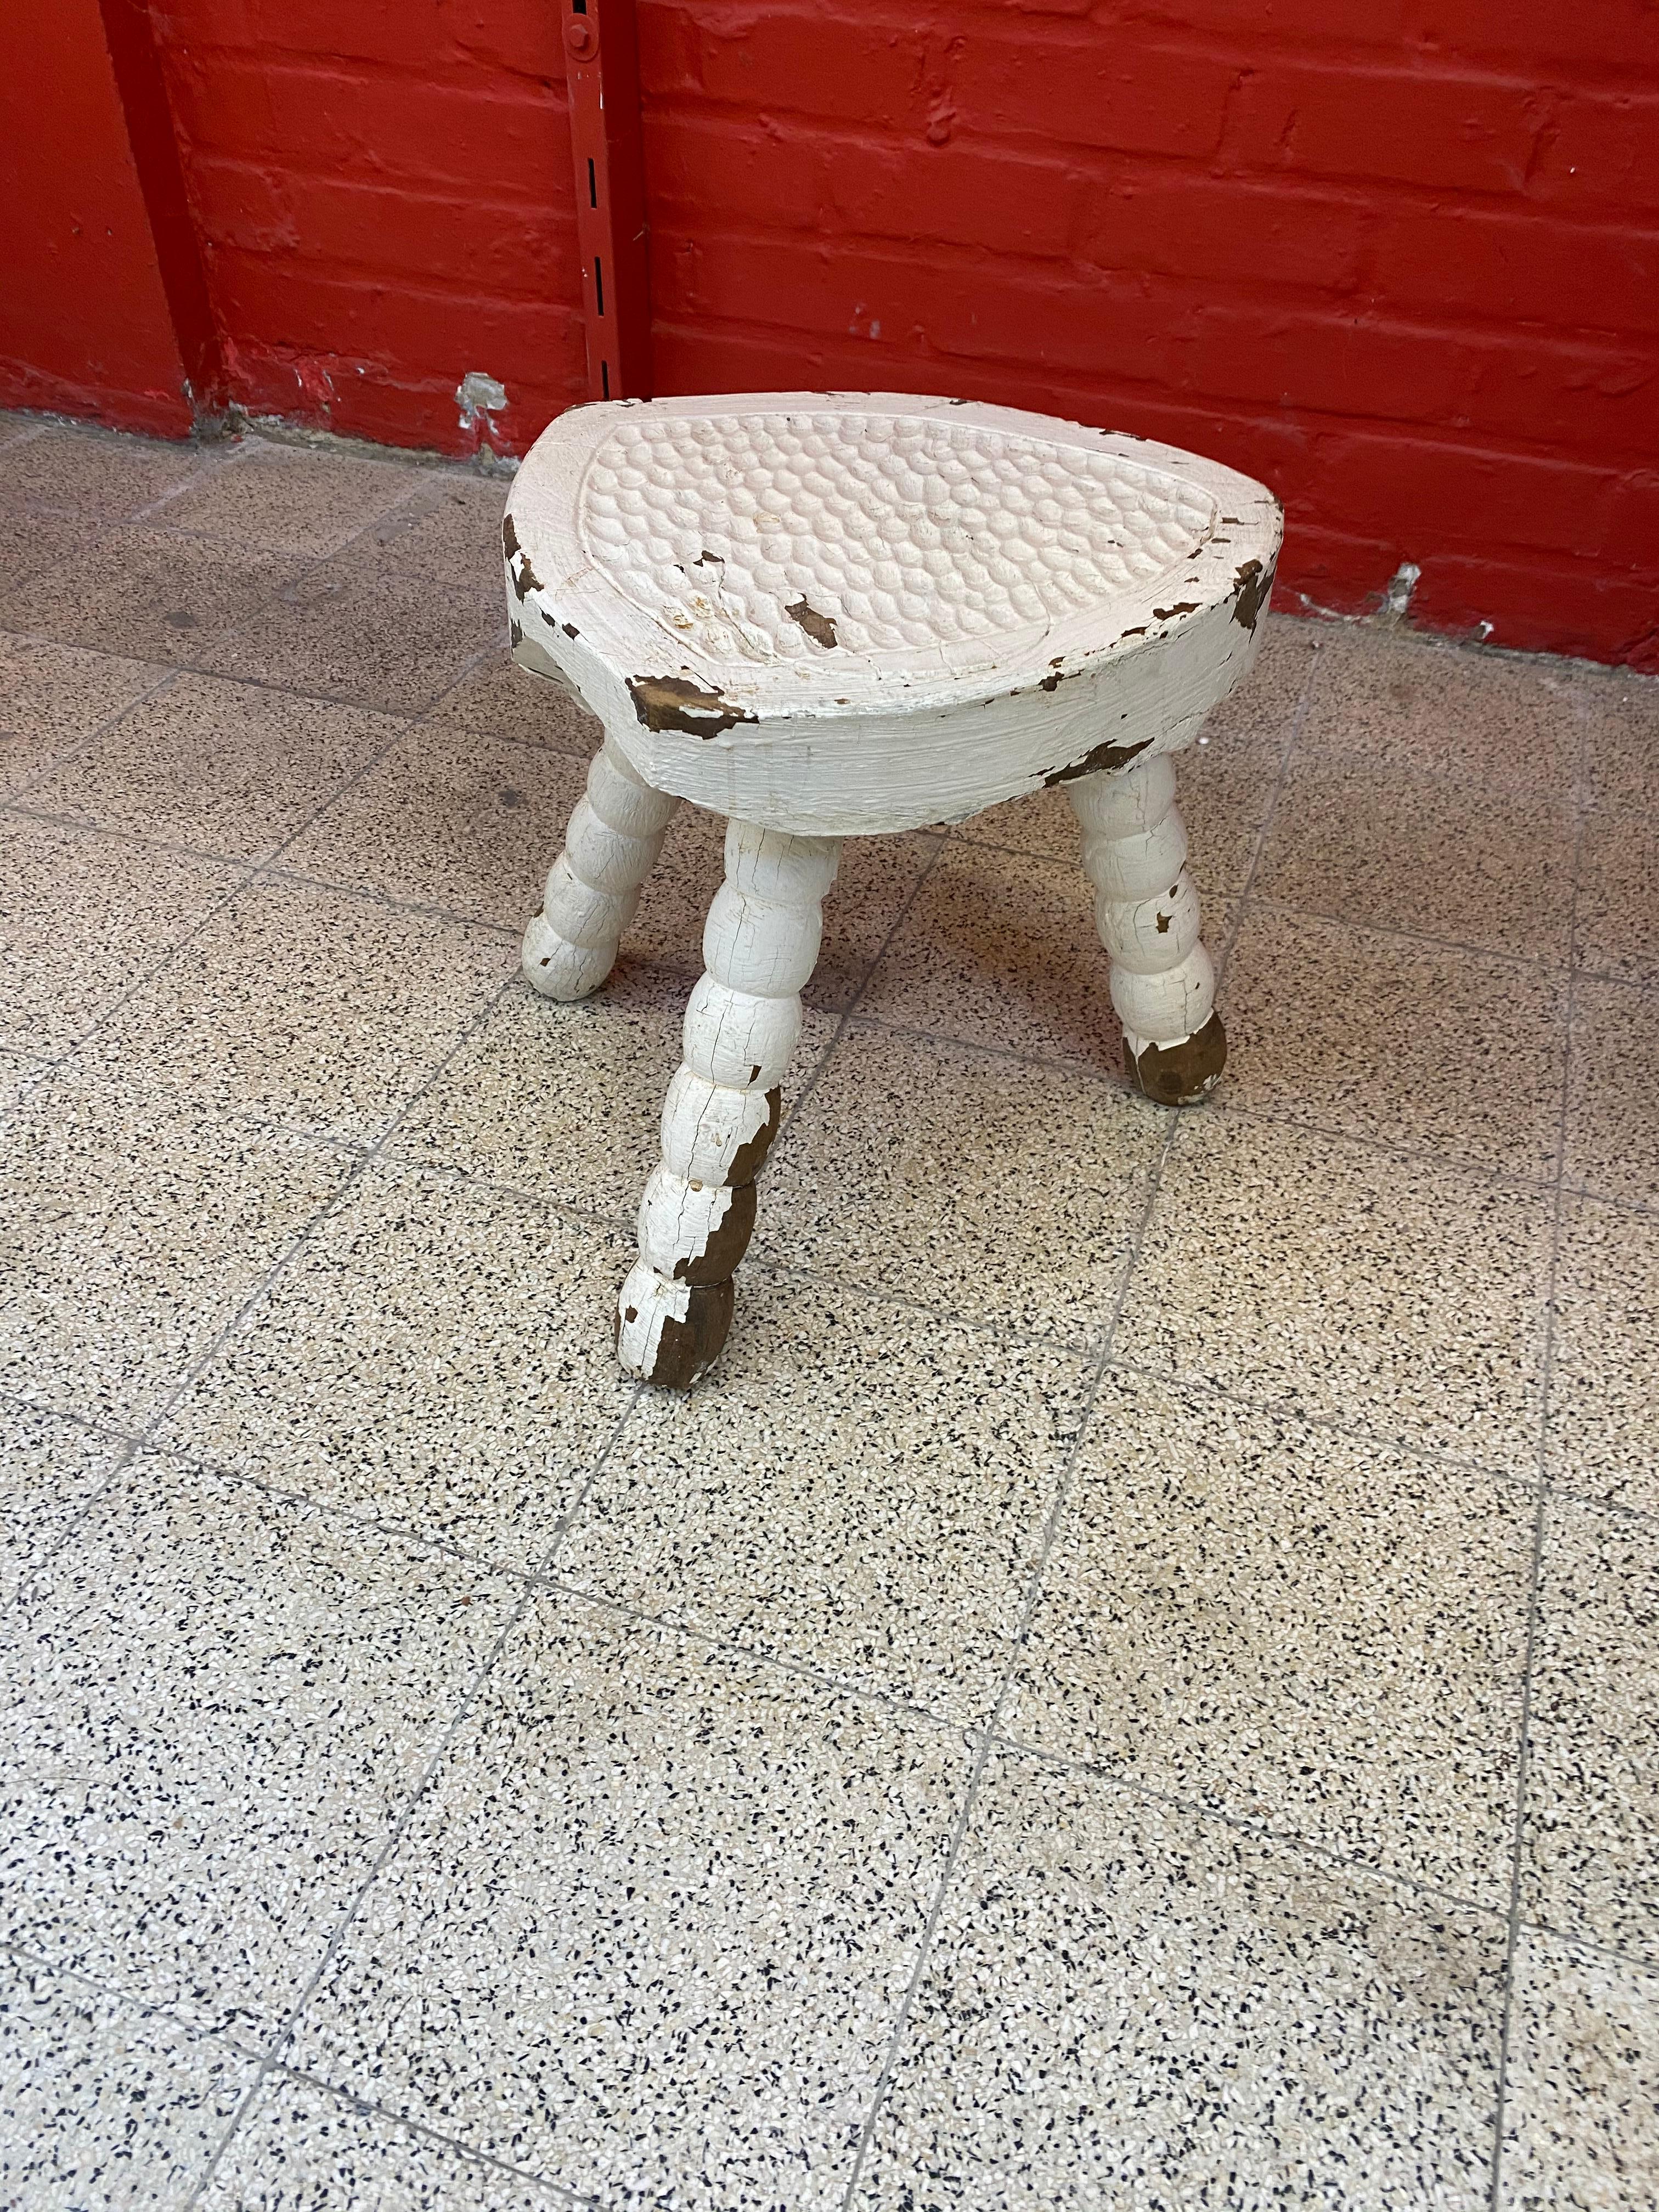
(1397, 593)
(479, 396)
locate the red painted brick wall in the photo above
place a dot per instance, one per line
(84, 322)
(1399, 258)
(382, 190)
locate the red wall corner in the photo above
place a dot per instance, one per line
(85, 326)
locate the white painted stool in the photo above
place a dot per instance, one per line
(827, 615)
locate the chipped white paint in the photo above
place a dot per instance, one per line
(1135, 853)
(615, 833)
(479, 396)
(741, 1028)
(822, 615)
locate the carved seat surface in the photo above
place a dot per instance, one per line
(811, 584)
(823, 615)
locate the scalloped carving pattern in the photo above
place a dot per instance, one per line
(885, 532)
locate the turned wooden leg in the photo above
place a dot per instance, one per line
(613, 836)
(759, 947)
(1135, 853)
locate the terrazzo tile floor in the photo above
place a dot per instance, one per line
(1135, 1684)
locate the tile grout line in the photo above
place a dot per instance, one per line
(175, 669)
(1270, 812)
(145, 1437)
(251, 873)
(1546, 1376)
(559, 2192)
(1643, 1962)
(1280, 1838)
(1050, 1533)
(27, 1960)
(1050, 1536)
(279, 2037)
(845, 1016)
(393, 1842)
(165, 679)
(1539, 962)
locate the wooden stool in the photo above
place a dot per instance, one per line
(827, 615)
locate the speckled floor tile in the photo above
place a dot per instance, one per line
(1224, 798)
(496, 699)
(1590, 1864)
(105, 2104)
(876, 877)
(1039, 984)
(1002, 1193)
(648, 1938)
(83, 918)
(31, 541)
(226, 768)
(1400, 1297)
(323, 1010)
(1621, 738)
(1322, 1637)
(1131, 2006)
(1254, 719)
(1613, 1123)
(149, 595)
(18, 1074)
(223, 1705)
(1389, 848)
(287, 498)
(53, 696)
(1618, 933)
(465, 823)
(1582, 2116)
(1399, 701)
(566, 1101)
(134, 1228)
(49, 1468)
(437, 1356)
(1603, 1439)
(302, 2149)
(449, 526)
(648, 1932)
(1408, 1043)
(96, 472)
(855, 1487)
(380, 637)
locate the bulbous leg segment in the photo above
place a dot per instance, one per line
(722, 1112)
(612, 839)
(1135, 852)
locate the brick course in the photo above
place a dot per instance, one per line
(1401, 259)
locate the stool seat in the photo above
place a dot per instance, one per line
(841, 613)
(826, 615)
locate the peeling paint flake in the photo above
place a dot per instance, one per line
(677, 702)
(820, 629)
(523, 577)
(1254, 584)
(1100, 760)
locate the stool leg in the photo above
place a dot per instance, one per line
(1135, 852)
(612, 838)
(759, 947)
